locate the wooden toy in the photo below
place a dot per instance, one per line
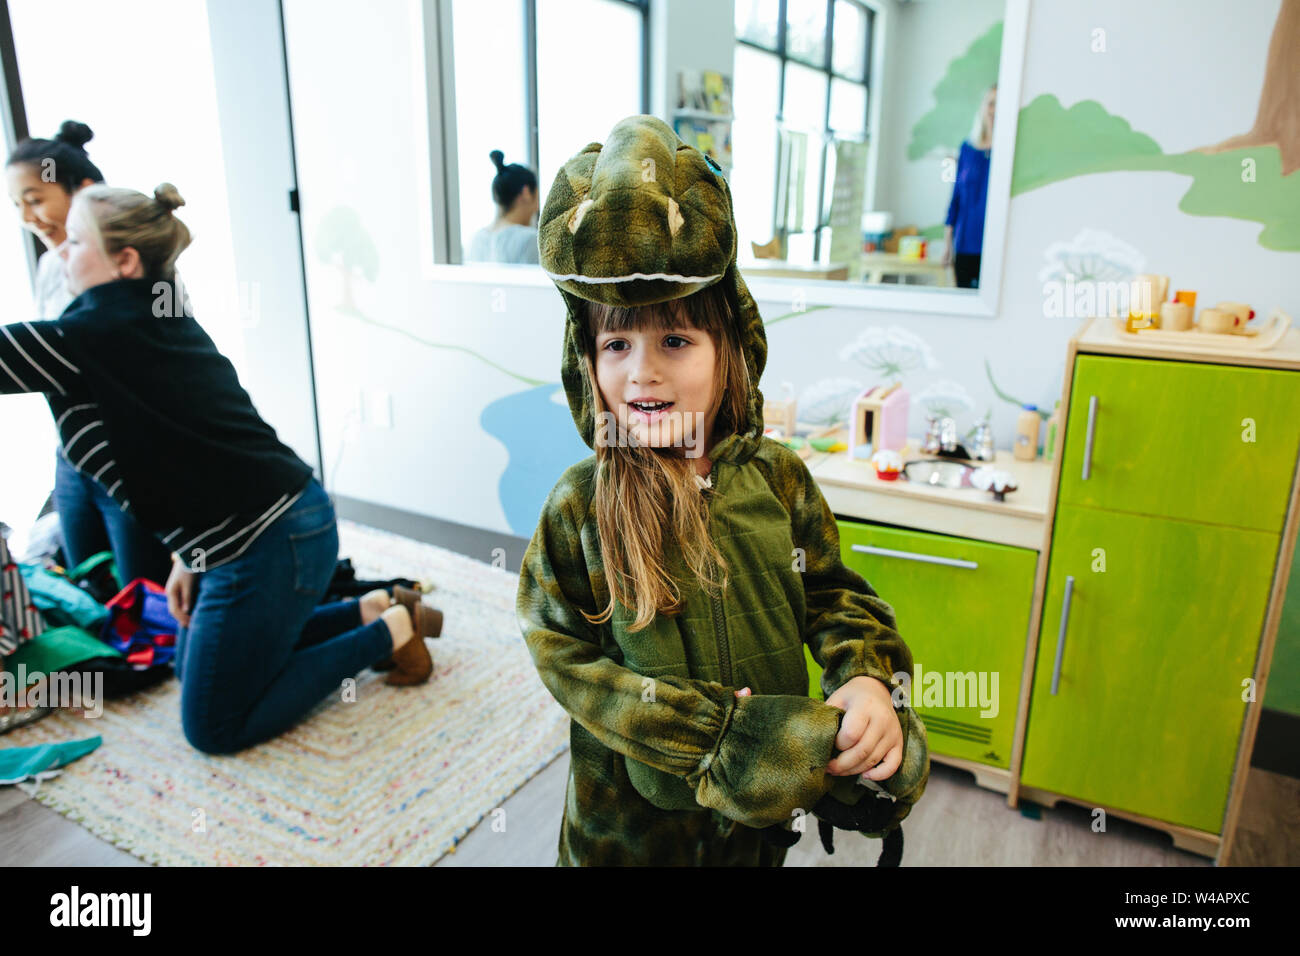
(782, 413)
(888, 465)
(879, 420)
(1225, 336)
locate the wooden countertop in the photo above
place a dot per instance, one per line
(1104, 335)
(852, 490)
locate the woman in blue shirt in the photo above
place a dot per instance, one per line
(964, 225)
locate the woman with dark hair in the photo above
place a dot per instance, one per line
(158, 414)
(43, 175)
(513, 237)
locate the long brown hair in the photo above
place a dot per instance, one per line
(649, 508)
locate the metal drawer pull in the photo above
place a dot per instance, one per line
(1060, 638)
(1092, 431)
(913, 556)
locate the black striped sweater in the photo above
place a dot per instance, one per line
(147, 407)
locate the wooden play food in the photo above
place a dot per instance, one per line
(1217, 320)
(1175, 316)
(1242, 313)
(1145, 295)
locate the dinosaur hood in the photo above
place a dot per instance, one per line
(643, 219)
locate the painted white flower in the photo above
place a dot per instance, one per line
(1094, 255)
(889, 352)
(828, 401)
(945, 399)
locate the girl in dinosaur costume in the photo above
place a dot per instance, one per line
(676, 575)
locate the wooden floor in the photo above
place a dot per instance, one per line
(956, 824)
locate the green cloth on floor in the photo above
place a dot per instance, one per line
(56, 650)
(19, 763)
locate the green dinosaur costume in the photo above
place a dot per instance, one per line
(668, 766)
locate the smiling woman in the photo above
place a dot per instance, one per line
(42, 176)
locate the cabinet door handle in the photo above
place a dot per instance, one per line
(1092, 431)
(1060, 638)
(914, 556)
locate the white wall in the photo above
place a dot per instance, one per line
(447, 351)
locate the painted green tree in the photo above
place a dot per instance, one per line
(1251, 176)
(958, 96)
(342, 241)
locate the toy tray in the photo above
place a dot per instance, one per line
(1252, 340)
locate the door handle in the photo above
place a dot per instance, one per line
(1092, 431)
(914, 556)
(1060, 637)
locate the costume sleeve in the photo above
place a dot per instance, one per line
(33, 359)
(754, 759)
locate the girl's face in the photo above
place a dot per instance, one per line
(990, 106)
(85, 264)
(42, 206)
(677, 367)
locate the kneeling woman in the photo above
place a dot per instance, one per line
(146, 406)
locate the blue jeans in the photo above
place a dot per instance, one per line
(92, 522)
(259, 653)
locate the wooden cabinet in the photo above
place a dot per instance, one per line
(1171, 518)
(1150, 628)
(963, 608)
(1209, 443)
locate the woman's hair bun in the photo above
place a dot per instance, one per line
(497, 157)
(168, 196)
(74, 134)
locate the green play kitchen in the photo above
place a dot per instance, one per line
(1097, 627)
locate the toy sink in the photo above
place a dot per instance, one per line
(941, 474)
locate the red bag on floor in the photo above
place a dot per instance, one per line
(139, 625)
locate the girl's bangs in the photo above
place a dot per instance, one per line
(705, 310)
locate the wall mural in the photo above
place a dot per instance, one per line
(1249, 176)
(957, 97)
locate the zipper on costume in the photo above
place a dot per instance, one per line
(719, 620)
(724, 650)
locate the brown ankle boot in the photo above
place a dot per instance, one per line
(426, 620)
(413, 664)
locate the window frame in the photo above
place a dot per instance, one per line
(444, 124)
(784, 58)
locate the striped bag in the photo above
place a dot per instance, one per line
(20, 621)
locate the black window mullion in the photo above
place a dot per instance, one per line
(644, 6)
(530, 85)
(780, 115)
(826, 129)
(14, 115)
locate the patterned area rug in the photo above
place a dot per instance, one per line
(397, 777)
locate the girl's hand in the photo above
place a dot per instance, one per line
(870, 733)
(743, 692)
(180, 593)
